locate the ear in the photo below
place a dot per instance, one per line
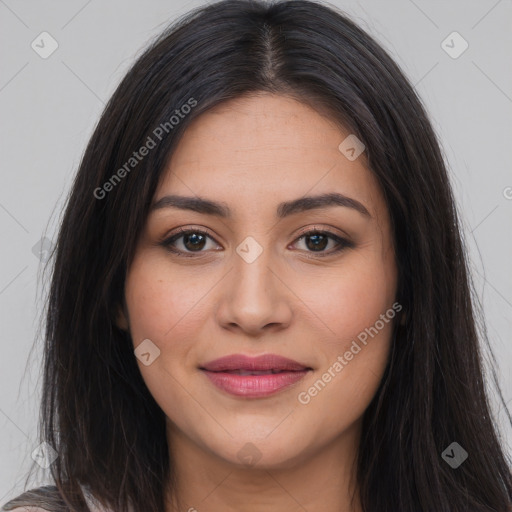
(121, 318)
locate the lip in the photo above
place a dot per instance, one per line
(254, 377)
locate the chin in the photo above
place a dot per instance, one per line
(261, 453)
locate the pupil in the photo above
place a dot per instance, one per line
(194, 238)
(316, 245)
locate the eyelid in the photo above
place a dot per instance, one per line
(317, 228)
(190, 229)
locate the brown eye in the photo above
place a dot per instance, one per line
(194, 241)
(190, 240)
(317, 241)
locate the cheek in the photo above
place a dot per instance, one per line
(356, 349)
(351, 298)
(166, 307)
(346, 384)
(161, 302)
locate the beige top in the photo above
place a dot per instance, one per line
(91, 503)
(28, 509)
(39, 509)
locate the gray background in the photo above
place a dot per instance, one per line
(49, 106)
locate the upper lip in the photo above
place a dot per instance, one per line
(258, 363)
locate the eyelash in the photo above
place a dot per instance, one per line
(342, 242)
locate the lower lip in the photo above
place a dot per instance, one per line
(254, 386)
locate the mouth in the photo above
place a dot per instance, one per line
(254, 377)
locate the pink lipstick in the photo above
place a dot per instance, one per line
(254, 377)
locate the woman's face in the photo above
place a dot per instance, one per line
(259, 283)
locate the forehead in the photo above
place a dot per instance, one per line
(265, 148)
(262, 122)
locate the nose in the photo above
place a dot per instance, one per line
(255, 299)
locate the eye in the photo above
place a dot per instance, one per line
(316, 241)
(194, 241)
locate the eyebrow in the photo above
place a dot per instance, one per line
(208, 207)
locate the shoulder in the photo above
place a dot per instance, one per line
(40, 499)
(25, 509)
(48, 499)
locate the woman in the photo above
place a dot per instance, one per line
(260, 298)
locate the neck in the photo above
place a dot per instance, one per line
(319, 482)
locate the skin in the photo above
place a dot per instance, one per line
(252, 153)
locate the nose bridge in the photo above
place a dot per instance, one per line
(252, 270)
(253, 297)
